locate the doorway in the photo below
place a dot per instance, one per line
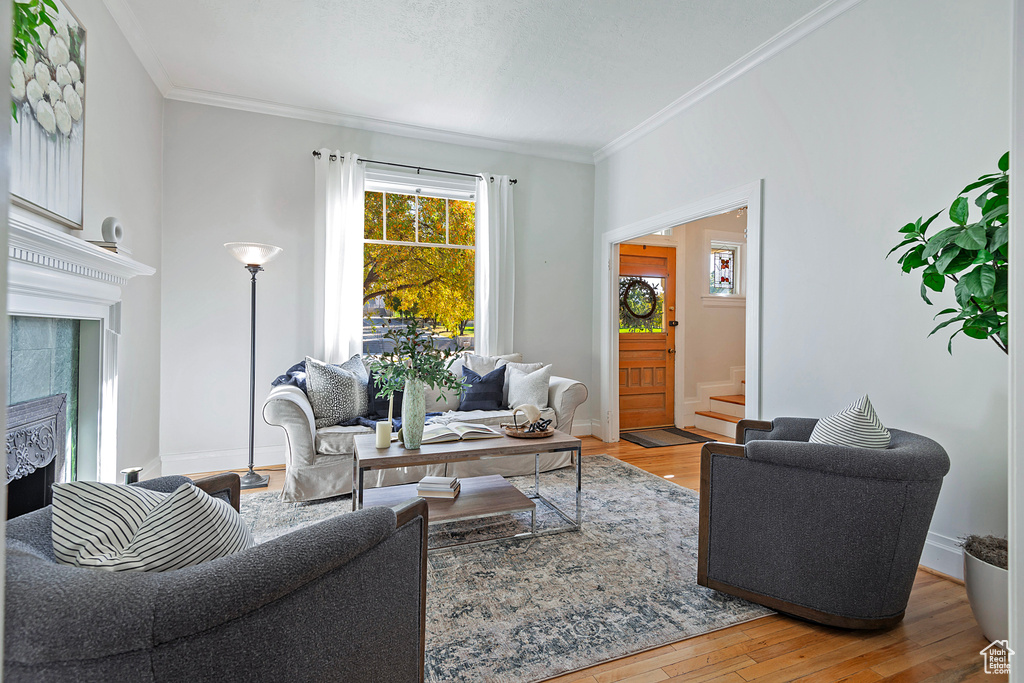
(607, 252)
(647, 329)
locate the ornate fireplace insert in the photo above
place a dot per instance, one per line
(35, 452)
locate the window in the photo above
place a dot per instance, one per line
(724, 256)
(641, 304)
(419, 256)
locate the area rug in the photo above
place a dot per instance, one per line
(657, 438)
(527, 610)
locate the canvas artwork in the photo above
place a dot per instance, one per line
(48, 120)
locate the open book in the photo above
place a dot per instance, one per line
(455, 431)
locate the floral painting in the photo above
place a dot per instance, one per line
(48, 81)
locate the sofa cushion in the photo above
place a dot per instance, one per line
(377, 404)
(482, 365)
(528, 387)
(440, 400)
(856, 425)
(483, 392)
(338, 440)
(334, 392)
(128, 528)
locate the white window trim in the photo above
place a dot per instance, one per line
(458, 188)
(719, 238)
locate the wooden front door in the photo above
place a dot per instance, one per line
(647, 336)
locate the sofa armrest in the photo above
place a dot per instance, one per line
(564, 397)
(917, 460)
(289, 408)
(779, 429)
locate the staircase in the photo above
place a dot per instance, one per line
(723, 415)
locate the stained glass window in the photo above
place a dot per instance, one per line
(723, 269)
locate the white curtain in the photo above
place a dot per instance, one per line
(338, 253)
(495, 265)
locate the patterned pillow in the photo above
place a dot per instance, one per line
(483, 393)
(356, 366)
(334, 393)
(856, 425)
(127, 528)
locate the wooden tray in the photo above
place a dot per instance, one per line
(520, 433)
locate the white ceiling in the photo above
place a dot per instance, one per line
(570, 74)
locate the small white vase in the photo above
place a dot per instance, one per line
(987, 587)
(414, 412)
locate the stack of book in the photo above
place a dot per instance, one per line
(438, 487)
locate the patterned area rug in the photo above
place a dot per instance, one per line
(523, 611)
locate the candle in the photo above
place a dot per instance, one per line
(383, 434)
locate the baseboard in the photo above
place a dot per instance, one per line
(944, 555)
(583, 427)
(214, 461)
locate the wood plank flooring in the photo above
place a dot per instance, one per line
(938, 641)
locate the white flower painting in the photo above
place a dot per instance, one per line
(48, 137)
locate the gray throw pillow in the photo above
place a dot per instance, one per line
(528, 388)
(357, 367)
(856, 425)
(334, 393)
(525, 367)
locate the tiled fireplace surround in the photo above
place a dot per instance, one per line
(52, 274)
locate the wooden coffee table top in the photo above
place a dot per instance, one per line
(397, 455)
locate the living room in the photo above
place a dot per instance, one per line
(835, 123)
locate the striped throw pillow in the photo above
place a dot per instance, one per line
(126, 528)
(856, 425)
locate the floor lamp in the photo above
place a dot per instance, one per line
(253, 256)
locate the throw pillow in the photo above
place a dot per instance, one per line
(127, 528)
(482, 365)
(378, 403)
(482, 393)
(333, 393)
(512, 365)
(856, 425)
(356, 366)
(528, 388)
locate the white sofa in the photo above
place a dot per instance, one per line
(319, 461)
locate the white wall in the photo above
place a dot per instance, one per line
(714, 335)
(123, 166)
(880, 116)
(231, 175)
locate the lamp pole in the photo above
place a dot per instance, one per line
(251, 480)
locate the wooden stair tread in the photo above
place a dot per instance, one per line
(719, 416)
(738, 399)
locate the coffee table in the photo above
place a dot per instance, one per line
(486, 496)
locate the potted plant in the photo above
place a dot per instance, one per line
(414, 364)
(986, 577)
(973, 256)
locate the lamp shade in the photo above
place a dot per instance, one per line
(253, 253)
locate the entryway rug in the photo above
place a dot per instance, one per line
(524, 611)
(656, 438)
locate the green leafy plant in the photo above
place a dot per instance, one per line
(414, 355)
(29, 16)
(972, 255)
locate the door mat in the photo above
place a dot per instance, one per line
(656, 438)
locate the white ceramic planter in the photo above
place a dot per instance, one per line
(414, 412)
(987, 587)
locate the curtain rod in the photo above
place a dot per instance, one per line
(334, 157)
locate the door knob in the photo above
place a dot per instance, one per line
(671, 350)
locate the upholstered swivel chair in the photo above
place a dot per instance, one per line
(831, 534)
(341, 600)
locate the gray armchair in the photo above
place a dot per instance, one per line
(831, 534)
(342, 600)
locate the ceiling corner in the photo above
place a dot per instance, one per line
(129, 25)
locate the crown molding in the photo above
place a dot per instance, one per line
(125, 19)
(215, 99)
(791, 35)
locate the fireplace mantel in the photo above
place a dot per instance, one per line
(53, 274)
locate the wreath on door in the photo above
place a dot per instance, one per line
(639, 298)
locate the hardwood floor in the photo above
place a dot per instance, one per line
(938, 641)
